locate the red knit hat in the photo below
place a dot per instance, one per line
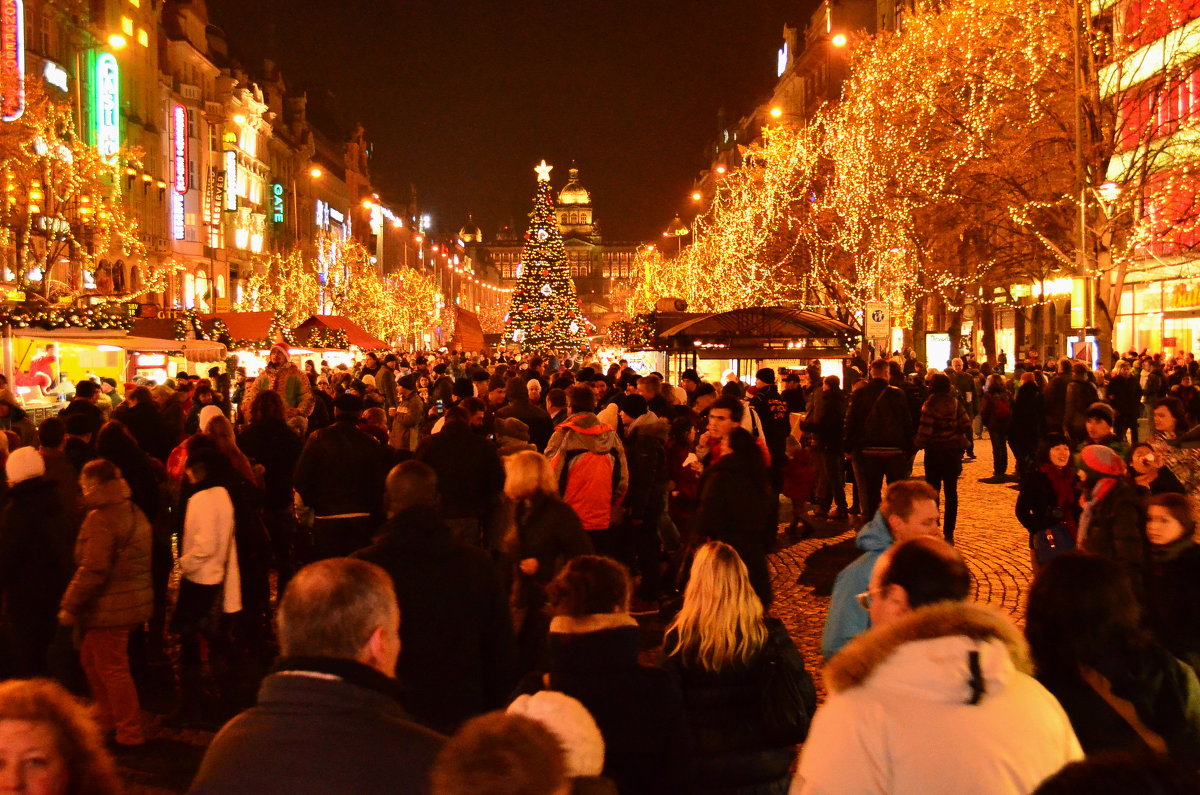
(1099, 461)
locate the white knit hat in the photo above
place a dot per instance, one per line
(24, 463)
(571, 724)
(208, 414)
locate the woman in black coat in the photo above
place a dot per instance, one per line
(1048, 495)
(36, 562)
(270, 444)
(738, 507)
(748, 697)
(541, 534)
(1173, 577)
(594, 645)
(1028, 424)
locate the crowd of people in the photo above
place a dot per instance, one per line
(425, 573)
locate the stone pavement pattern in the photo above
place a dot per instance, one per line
(991, 540)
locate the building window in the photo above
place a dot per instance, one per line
(127, 26)
(143, 37)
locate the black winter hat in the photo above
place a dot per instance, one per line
(634, 405)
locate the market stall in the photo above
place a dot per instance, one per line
(740, 340)
(335, 339)
(247, 335)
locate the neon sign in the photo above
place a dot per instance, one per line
(231, 180)
(108, 106)
(12, 56)
(277, 203)
(180, 139)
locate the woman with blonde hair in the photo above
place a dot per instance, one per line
(749, 698)
(49, 744)
(542, 533)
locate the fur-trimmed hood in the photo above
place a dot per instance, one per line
(929, 650)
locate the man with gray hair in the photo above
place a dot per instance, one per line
(328, 719)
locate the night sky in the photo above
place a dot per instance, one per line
(463, 97)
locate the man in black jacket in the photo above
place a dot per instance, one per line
(84, 404)
(1125, 394)
(519, 406)
(879, 436)
(470, 474)
(340, 477)
(825, 423)
(644, 436)
(329, 718)
(459, 653)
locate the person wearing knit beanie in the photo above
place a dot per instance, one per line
(1111, 523)
(23, 464)
(571, 724)
(1098, 462)
(1098, 424)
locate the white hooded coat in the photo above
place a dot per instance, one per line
(900, 720)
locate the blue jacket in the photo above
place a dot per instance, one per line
(846, 619)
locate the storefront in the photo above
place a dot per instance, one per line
(1159, 316)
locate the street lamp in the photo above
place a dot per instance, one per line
(677, 229)
(838, 40)
(697, 196)
(315, 173)
(776, 112)
(117, 41)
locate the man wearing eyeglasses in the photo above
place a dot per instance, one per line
(933, 697)
(909, 510)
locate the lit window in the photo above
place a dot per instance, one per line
(127, 26)
(220, 285)
(135, 3)
(143, 37)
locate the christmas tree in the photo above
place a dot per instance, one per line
(544, 314)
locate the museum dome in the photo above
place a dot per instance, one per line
(573, 192)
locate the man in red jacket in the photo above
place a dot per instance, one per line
(589, 463)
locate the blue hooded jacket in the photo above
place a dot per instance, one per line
(847, 619)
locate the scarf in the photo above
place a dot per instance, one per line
(1062, 481)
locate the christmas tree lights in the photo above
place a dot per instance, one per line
(544, 314)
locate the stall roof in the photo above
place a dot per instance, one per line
(355, 334)
(742, 332)
(243, 325)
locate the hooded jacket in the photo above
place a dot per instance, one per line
(589, 465)
(111, 586)
(847, 619)
(941, 700)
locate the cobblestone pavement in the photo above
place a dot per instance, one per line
(994, 545)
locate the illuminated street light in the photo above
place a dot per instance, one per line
(839, 40)
(315, 173)
(696, 196)
(368, 204)
(117, 41)
(776, 112)
(720, 169)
